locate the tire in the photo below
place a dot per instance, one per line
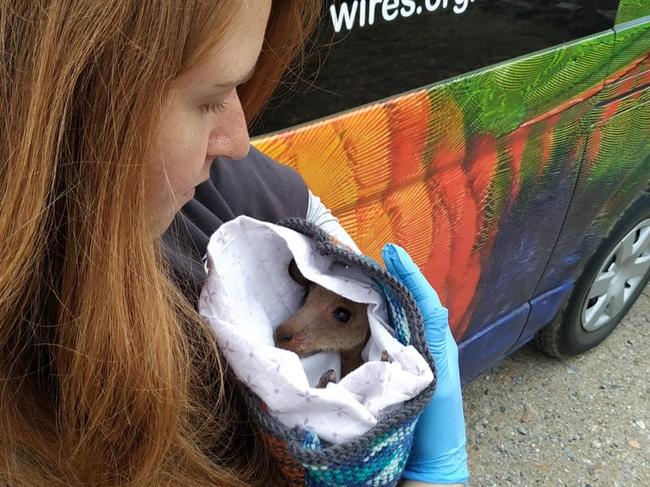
(610, 283)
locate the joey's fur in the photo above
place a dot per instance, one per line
(325, 322)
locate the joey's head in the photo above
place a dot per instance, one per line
(325, 322)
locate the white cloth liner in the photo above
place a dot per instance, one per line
(249, 293)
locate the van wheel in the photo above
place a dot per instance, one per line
(609, 285)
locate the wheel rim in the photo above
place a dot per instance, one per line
(618, 278)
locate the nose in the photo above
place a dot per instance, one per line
(230, 138)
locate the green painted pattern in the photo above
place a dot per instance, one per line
(631, 10)
(621, 139)
(498, 100)
(631, 43)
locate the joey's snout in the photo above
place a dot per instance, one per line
(290, 337)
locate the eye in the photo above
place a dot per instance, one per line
(342, 315)
(214, 107)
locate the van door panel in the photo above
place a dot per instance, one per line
(616, 162)
(616, 172)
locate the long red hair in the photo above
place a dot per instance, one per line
(108, 376)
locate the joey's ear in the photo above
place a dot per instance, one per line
(296, 275)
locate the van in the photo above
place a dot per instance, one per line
(505, 144)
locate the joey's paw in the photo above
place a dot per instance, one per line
(328, 376)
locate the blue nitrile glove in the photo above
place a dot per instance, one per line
(438, 453)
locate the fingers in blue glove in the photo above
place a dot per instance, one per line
(399, 264)
(438, 454)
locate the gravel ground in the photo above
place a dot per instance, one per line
(584, 421)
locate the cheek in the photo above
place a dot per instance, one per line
(179, 158)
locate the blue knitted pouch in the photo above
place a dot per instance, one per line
(377, 457)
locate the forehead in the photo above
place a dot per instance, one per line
(237, 52)
(318, 294)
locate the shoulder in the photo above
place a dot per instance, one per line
(258, 186)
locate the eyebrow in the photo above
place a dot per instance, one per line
(240, 80)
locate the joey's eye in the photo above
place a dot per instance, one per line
(341, 314)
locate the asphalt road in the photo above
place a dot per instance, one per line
(584, 421)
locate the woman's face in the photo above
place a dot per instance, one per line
(203, 117)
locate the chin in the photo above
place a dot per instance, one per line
(163, 221)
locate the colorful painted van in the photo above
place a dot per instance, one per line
(505, 144)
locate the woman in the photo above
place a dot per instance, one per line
(114, 111)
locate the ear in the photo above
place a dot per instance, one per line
(296, 275)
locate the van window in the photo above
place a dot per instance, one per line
(381, 48)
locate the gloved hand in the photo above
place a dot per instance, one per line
(438, 453)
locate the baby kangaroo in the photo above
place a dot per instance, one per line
(325, 322)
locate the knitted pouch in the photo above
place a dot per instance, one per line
(377, 457)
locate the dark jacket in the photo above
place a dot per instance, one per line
(256, 186)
